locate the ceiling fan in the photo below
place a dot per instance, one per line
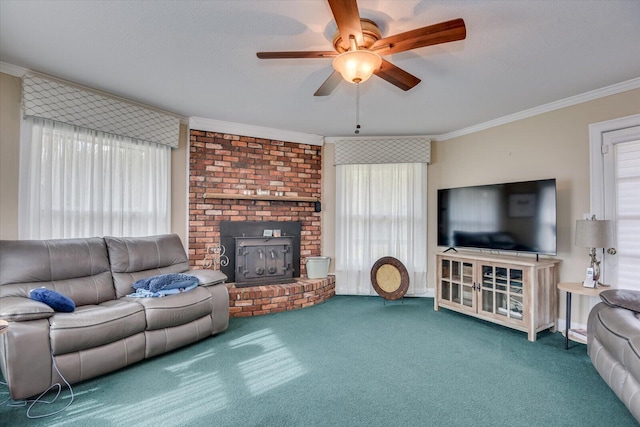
(359, 48)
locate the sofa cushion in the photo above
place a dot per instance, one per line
(95, 325)
(84, 364)
(175, 310)
(135, 258)
(624, 298)
(163, 340)
(131, 254)
(20, 309)
(77, 268)
(207, 277)
(53, 299)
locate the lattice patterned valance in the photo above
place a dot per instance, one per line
(383, 149)
(49, 99)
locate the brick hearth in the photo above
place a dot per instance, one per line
(266, 299)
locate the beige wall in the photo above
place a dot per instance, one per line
(10, 88)
(550, 145)
(328, 247)
(180, 187)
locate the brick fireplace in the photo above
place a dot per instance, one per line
(224, 167)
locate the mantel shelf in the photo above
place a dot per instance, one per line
(268, 197)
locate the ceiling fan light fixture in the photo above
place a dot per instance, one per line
(356, 66)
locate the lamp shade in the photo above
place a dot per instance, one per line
(594, 233)
(356, 66)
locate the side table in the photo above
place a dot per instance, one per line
(575, 288)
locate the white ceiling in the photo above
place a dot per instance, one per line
(197, 58)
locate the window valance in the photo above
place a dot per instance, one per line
(382, 149)
(49, 99)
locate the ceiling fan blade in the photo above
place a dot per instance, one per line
(396, 76)
(297, 54)
(347, 18)
(329, 85)
(426, 36)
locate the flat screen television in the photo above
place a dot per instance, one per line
(514, 216)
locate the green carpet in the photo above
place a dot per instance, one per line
(351, 361)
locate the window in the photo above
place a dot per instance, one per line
(77, 182)
(381, 211)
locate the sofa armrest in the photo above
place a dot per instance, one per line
(25, 358)
(208, 277)
(21, 309)
(623, 298)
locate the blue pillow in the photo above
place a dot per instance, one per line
(53, 299)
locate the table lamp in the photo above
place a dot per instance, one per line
(593, 233)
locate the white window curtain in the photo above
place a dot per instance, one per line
(381, 210)
(76, 182)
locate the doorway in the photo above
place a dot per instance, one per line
(615, 195)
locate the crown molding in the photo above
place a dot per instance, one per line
(211, 125)
(12, 70)
(545, 108)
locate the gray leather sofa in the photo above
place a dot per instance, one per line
(107, 330)
(613, 344)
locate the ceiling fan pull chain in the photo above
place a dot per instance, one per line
(357, 108)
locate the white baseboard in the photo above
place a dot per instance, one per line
(562, 324)
(430, 293)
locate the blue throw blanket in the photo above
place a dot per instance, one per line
(144, 293)
(166, 282)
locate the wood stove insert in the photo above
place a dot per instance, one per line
(230, 231)
(263, 260)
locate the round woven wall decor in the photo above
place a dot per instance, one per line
(390, 278)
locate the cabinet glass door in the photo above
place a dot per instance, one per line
(502, 292)
(445, 285)
(516, 306)
(487, 288)
(467, 285)
(457, 282)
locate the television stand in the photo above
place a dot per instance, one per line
(515, 292)
(451, 248)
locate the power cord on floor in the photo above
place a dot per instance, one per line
(18, 403)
